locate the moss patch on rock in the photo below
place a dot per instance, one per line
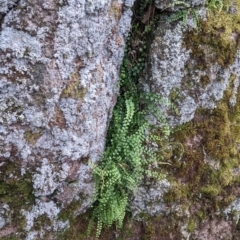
(78, 228)
(217, 40)
(15, 191)
(73, 89)
(205, 180)
(32, 137)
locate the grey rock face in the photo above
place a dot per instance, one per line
(4, 208)
(148, 198)
(197, 76)
(59, 63)
(174, 73)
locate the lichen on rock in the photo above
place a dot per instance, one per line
(59, 68)
(59, 63)
(197, 70)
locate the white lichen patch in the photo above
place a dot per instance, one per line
(84, 175)
(127, 3)
(25, 43)
(234, 209)
(50, 210)
(32, 235)
(44, 180)
(92, 6)
(172, 70)
(6, 5)
(69, 108)
(234, 70)
(16, 138)
(4, 213)
(149, 199)
(35, 117)
(67, 142)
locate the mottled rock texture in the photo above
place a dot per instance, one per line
(59, 67)
(191, 69)
(197, 69)
(59, 64)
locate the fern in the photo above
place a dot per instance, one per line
(183, 14)
(195, 19)
(123, 164)
(179, 3)
(180, 15)
(127, 157)
(215, 4)
(119, 171)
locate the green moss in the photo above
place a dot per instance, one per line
(162, 227)
(16, 191)
(41, 222)
(78, 224)
(73, 90)
(13, 237)
(12, 183)
(116, 10)
(211, 190)
(204, 80)
(191, 225)
(32, 137)
(69, 212)
(201, 215)
(129, 229)
(217, 39)
(174, 95)
(149, 232)
(26, 53)
(12, 109)
(205, 174)
(178, 191)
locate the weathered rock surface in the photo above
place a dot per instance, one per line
(59, 67)
(192, 76)
(59, 64)
(197, 69)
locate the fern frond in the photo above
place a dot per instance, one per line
(127, 154)
(179, 3)
(195, 19)
(215, 4)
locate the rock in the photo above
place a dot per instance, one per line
(190, 73)
(59, 64)
(196, 68)
(149, 200)
(59, 71)
(4, 208)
